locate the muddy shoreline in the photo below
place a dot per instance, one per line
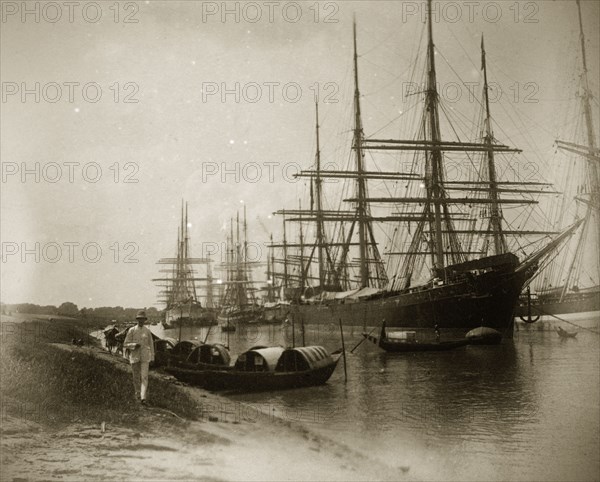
(211, 438)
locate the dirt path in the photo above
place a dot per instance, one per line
(223, 445)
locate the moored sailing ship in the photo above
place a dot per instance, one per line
(238, 305)
(181, 293)
(571, 284)
(455, 266)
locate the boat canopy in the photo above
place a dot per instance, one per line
(303, 358)
(212, 354)
(184, 348)
(165, 344)
(259, 360)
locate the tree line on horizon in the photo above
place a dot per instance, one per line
(68, 308)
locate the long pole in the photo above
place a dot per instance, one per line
(207, 333)
(293, 333)
(361, 341)
(180, 320)
(343, 351)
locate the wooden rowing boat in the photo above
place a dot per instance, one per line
(264, 369)
(396, 343)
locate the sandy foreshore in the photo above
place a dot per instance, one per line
(226, 441)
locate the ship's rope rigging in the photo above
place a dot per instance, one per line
(418, 238)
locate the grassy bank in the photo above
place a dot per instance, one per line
(38, 378)
(55, 397)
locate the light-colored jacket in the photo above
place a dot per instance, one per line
(143, 337)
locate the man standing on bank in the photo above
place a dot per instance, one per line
(140, 344)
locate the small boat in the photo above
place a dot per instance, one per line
(263, 369)
(204, 356)
(162, 351)
(405, 341)
(566, 334)
(182, 349)
(484, 335)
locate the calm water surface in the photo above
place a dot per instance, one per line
(528, 409)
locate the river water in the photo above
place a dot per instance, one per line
(528, 409)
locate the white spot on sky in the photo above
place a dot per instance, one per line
(193, 62)
(241, 201)
(231, 141)
(245, 142)
(76, 109)
(189, 225)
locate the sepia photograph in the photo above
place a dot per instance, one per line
(312, 240)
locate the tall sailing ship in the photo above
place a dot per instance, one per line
(451, 260)
(182, 293)
(570, 284)
(239, 304)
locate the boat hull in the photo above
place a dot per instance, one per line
(404, 347)
(236, 380)
(553, 305)
(487, 300)
(195, 317)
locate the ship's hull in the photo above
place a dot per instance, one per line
(553, 305)
(487, 300)
(197, 316)
(234, 318)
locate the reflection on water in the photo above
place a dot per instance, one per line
(526, 409)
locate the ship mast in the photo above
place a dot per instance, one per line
(495, 214)
(587, 96)
(303, 275)
(285, 257)
(209, 287)
(319, 216)
(434, 179)
(361, 206)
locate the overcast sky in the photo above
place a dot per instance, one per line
(162, 119)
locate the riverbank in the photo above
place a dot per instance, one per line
(69, 414)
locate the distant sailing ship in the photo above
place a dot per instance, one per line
(239, 304)
(181, 293)
(571, 283)
(450, 261)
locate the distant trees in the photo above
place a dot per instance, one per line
(104, 313)
(68, 309)
(31, 309)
